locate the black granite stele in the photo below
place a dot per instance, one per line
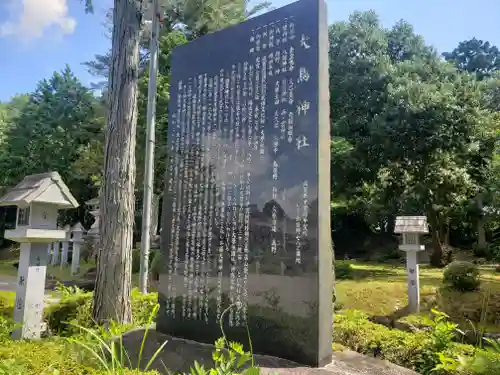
(246, 218)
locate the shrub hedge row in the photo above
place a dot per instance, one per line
(424, 352)
(419, 351)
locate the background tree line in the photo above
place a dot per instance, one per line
(413, 131)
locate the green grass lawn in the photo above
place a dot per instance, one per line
(8, 270)
(382, 289)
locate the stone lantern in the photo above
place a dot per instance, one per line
(411, 228)
(38, 198)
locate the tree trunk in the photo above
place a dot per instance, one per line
(437, 248)
(391, 223)
(114, 266)
(481, 233)
(447, 233)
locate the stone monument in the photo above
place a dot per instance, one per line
(410, 228)
(38, 198)
(77, 241)
(246, 213)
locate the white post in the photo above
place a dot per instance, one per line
(49, 252)
(55, 253)
(412, 269)
(65, 247)
(150, 143)
(77, 241)
(30, 290)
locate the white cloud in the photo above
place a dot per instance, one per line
(30, 19)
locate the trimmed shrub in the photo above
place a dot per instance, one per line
(77, 309)
(7, 303)
(52, 356)
(136, 259)
(462, 276)
(156, 262)
(481, 306)
(343, 270)
(70, 309)
(48, 356)
(422, 351)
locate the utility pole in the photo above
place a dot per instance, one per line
(150, 146)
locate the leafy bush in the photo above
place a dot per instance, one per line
(76, 309)
(54, 356)
(481, 306)
(48, 356)
(7, 303)
(427, 352)
(136, 259)
(462, 276)
(73, 308)
(156, 262)
(484, 362)
(6, 327)
(343, 270)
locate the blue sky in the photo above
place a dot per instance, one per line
(38, 37)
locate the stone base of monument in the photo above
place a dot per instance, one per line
(178, 356)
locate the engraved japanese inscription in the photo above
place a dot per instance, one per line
(246, 228)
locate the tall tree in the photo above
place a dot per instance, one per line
(48, 129)
(432, 119)
(405, 126)
(475, 56)
(194, 18)
(482, 59)
(114, 265)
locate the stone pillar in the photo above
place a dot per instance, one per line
(65, 246)
(77, 243)
(49, 251)
(28, 309)
(55, 253)
(413, 281)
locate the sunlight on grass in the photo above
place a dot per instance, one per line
(375, 297)
(64, 273)
(7, 269)
(381, 289)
